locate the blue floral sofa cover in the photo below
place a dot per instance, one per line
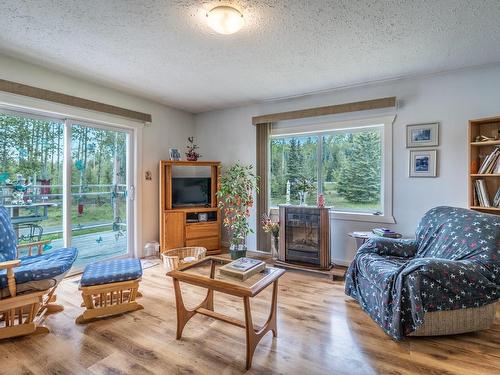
(48, 265)
(453, 263)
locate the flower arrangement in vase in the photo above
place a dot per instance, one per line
(272, 227)
(235, 194)
(304, 186)
(191, 154)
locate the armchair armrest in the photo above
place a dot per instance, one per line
(462, 271)
(390, 247)
(38, 245)
(455, 283)
(11, 280)
(9, 264)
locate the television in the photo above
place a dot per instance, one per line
(191, 191)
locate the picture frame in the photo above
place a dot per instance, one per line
(422, 135)
(423, 163)
(174, 154)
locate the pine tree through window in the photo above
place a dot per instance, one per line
(345, 165)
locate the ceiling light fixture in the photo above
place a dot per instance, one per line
(225, 20)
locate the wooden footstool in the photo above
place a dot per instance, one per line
(110, 288)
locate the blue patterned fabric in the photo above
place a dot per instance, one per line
(42, 267)
(454, 263)
(111, 271)
(8, 250)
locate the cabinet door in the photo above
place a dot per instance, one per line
(173, 230)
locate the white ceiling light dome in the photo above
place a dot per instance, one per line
(225, 20)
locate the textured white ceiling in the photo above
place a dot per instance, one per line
(164, 50)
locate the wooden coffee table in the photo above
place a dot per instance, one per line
(205, 273)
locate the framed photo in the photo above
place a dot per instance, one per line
(422, 135)
(174, 154)
(423, 163)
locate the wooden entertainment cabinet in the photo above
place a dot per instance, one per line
(180, 226)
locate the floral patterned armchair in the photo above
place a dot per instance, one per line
(445, 281)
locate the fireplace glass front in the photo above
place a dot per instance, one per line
(302, 236)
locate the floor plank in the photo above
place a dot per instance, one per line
(320, 331)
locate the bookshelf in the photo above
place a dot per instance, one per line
(478, 151)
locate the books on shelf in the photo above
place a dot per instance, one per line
(496, 199)
(491, 163)
(243, 268)
(482, 197)
(384, 232)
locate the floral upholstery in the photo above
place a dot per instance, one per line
(42, 267)
(111, 271)
(454, 263)
(8, 249)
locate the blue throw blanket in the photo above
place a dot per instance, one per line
(454, 263)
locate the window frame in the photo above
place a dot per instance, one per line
(325, 128)
(37, 108)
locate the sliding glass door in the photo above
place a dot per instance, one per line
(69, 183)
(99, 193)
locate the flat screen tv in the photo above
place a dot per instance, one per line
(191, 191)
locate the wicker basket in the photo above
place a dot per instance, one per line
(172, 259)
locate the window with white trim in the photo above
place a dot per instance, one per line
(349, 163)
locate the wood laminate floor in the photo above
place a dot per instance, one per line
(320, 331)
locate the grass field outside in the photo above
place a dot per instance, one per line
(332, 198)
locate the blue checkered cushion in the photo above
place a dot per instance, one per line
(111, 271)
(8, 241)
(42, 267)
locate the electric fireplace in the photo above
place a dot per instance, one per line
(305, 236)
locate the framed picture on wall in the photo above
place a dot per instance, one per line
(174, 154)
(423, 163)
(422, 135)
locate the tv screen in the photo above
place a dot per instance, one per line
(191, 191)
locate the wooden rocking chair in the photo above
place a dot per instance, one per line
(21, 314)
(28, 283)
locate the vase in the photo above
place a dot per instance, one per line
(303, 198)
(192, 158)
(275, 249)
(237, 251)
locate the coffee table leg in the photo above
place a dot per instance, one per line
(254, 336)
(183, 314)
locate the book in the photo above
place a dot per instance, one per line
(491, 162)
(482, 193)
(496, 200)
(384, 232)
(243, 268)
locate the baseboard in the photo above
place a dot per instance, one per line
(341, 262)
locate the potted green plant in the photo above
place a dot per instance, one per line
(235, 194)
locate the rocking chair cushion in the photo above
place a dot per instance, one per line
(111, 271)
(7, 237)
(42, 267)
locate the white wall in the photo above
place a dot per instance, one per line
(450, 98)
(169, 128)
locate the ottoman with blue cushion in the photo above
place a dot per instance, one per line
(109, 288)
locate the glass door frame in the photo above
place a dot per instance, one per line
(133, 139)
(130, 180)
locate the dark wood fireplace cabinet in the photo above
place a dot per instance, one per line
(304, 237)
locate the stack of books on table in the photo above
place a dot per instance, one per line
(384, 232)
(243, 268)
(491, 163)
